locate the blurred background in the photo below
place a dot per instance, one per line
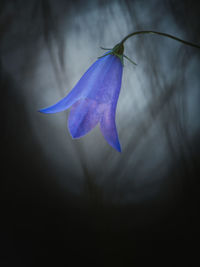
(64, 199)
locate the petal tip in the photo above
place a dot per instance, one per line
(46, 110)
(74, 135)
(117, 147)
(41, 110)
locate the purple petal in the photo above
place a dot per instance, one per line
(108, 92)
(88, 83)
(108, 127)
(108, 82)
(84, 116)
(63, 104)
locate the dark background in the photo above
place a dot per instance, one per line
(66, 202)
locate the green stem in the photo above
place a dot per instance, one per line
(160, 33)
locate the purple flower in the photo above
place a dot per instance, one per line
(94, 98)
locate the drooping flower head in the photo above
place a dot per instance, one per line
(94, 98)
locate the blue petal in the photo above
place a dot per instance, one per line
(84, 116)
(108, 82)
(89, 82)
(63, 104)
(108, 127)
(109, 94)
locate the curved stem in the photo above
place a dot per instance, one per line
(162, 34)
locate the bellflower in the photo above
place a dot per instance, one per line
(94, 98)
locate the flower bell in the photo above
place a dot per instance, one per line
(94, 98)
